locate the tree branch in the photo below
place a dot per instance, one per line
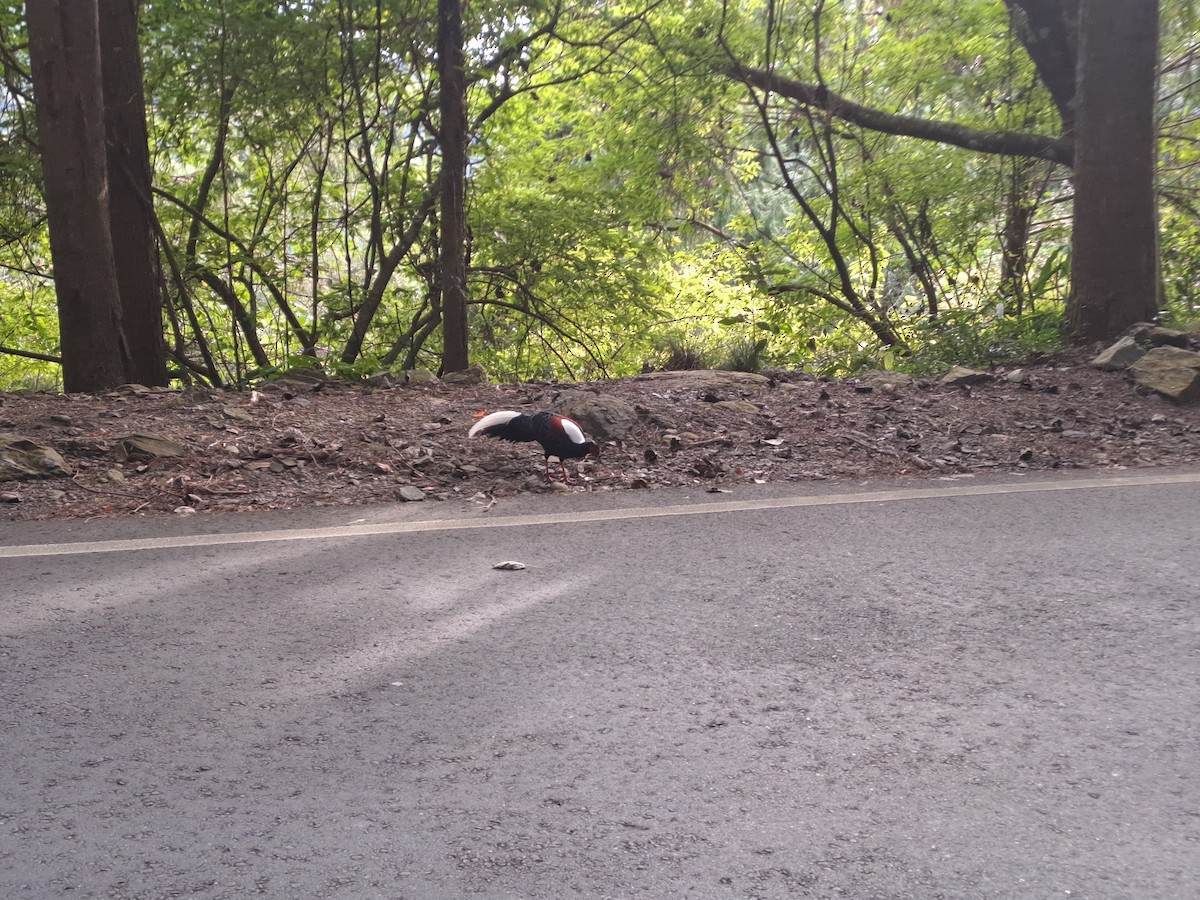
(27, 354)
(1005, 143)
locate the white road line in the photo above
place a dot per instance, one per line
(600, 515)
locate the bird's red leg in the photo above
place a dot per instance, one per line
(566, 477)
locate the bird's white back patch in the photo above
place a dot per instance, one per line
(571, 430)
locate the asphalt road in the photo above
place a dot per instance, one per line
(928, 690)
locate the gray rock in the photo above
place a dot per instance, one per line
(475, 374)
(408, 376)
(150, 445)
(22, 458)
(604, 418)
(1166, 337)
(1120, 355)
(884, 381)
(1170, 371)
(961, 376)
(302, 375)
(1149, 334)
(381, 380)
(410, 494)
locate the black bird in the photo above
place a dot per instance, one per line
(560, 437)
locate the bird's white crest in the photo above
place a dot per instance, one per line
(496, 418)
(571, 430)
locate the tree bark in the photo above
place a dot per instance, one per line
(453, 141)
(1114, 261)
(64, 53)
(130, 207)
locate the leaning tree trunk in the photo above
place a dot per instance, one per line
(1114, 255)
(64, 55)
(453, 140)
(130, 209)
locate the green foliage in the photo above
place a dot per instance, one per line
(744, 354)
(629, 203)
(979, 338)
(683, 351)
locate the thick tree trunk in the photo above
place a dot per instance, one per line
(1114, 261)
(130, 208)
(64, 53)
(453, 140)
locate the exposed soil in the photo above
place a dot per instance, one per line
(292, 445)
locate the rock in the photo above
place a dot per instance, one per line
(116, 476)
(22, 458)
(884, 381)
(961, 376)
(1170, 371)
(236, 412)
(410, 493)
(1166, 337)
(408, 376)
(475, 374)
(381, 380)
(150, 445)
(8, 497)
(301, 375)
(604, 418)
(1120, 355)
(534, 483)
(1149, 334)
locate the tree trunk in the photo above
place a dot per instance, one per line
(1020, 210)
(64, 54)
(130, 208)
(453, 140)
(1114, 261)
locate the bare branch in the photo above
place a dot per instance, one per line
(1005, 143)
(27, 354)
